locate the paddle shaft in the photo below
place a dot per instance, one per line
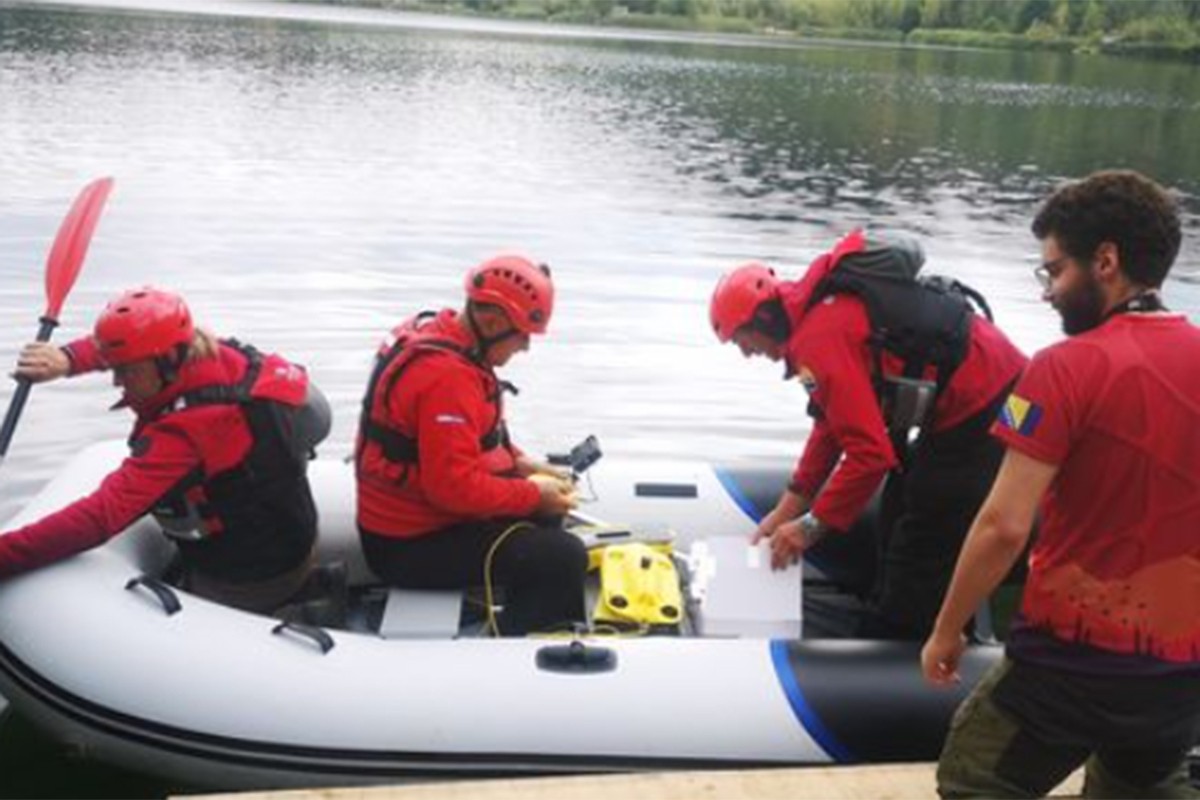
(17, 405)
(62, 268)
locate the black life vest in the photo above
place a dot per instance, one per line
(413, 340)
(258, 519)
(924, 320)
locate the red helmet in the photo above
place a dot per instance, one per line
(517, 285)
(142, 323)
(738, 295)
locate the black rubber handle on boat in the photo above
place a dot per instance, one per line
(322, 639)
(576, 658)
(165, 595)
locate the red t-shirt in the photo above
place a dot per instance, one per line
(1116, 564)
(830, 352)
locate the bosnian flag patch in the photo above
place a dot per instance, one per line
(1020, 415)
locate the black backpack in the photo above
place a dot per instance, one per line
(925, 320)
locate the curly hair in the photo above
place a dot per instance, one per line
(1119, 206)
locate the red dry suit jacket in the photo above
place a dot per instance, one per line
(447, 403)
(849, 453)
(172, 451)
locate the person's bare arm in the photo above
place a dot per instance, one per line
(995, 541)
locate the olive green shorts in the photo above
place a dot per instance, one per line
(1025, 728)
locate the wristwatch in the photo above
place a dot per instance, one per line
(812, 529)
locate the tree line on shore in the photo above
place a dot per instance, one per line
(1164, 28)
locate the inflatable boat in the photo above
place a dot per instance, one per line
(104, 653)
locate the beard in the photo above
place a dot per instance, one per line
(1082, 309)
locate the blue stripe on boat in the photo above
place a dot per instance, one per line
(800, 707)
(736, 493)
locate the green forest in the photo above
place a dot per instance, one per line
(1158, 28)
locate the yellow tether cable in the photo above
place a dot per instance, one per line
(487, 573)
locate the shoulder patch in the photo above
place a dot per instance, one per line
(1020, 415)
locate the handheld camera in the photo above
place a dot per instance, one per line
(581, 457)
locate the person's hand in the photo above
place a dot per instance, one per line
(765, 529)
(560, 473)
(790, 506)
(528, 467)
(940, 657)
(41, 361)
(787, 545)
(557, 497)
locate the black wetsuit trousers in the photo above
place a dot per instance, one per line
(540, 566)
(928, 507)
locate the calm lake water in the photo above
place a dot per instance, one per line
(308, 177)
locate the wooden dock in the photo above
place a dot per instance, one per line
(881, 782)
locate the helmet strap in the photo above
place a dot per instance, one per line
(484, 343)
(771, 320)
(168, 365)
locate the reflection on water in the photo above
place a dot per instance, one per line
(308, 183)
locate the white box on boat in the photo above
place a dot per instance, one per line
(739, 593)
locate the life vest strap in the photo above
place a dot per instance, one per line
(398, 447)
(228, 394)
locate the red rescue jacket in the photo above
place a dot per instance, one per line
(432, 448)
(194, 446)
(830, 352)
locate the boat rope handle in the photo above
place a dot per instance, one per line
(318, 635)
(165, 595)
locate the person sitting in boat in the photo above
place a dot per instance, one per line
(880, 355)
(445, 499)
(218, 453)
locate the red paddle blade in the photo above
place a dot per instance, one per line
(71, 244)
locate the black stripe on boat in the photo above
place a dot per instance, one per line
(854, 696)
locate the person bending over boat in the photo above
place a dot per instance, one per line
(879, 354)
(445, 499)
(1102, 665)
(218, 453)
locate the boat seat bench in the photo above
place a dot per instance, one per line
(421, 614)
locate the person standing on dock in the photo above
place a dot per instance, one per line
(1102, 663)
(445, 499)
(882, 354)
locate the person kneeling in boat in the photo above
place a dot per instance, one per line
(218, 453)
(879, 353)
(445, 499)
